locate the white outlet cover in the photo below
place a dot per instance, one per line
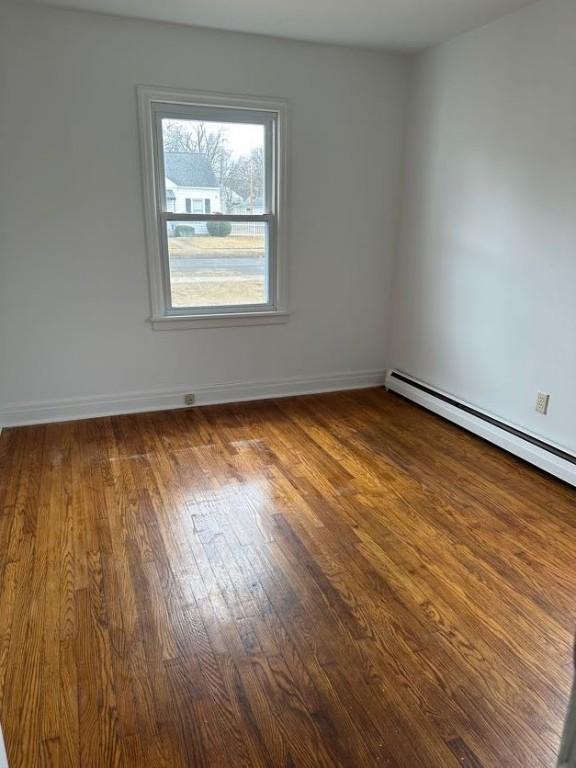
(542, 401)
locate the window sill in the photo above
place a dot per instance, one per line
(228, 320)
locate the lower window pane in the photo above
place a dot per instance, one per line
(217, 263)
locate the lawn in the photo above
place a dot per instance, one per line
(217, 293)
(205, 245)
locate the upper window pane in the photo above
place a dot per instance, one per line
(220, 166)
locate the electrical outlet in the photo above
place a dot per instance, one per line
(189, 399)
(542, 401)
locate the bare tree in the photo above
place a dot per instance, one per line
(196, 138)
(247, 176)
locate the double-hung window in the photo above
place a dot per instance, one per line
(213, 171)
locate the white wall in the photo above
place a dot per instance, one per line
(3, 758)
(73, 284)
(485, 293)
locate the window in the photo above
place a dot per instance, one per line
(215, 257)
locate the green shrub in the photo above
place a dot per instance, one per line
(219, 228)
(184, 230)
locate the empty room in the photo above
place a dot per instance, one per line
(287, 384)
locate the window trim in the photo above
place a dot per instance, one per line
(162, 316)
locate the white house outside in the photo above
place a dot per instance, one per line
(191, 187)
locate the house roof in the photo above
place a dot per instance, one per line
(189, 169)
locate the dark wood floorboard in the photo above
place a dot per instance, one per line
(338, 580)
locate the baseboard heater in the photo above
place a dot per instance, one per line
(547, 456)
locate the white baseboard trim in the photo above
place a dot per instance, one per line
(21, 414)
(539, 457)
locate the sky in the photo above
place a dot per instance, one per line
(242, 138)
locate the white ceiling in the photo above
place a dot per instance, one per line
(389, 24)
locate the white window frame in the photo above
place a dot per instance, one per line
(155, 103)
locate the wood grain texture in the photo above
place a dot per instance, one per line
(337, 580)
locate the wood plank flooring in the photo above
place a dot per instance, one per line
(338, 580)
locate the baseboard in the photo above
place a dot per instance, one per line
(539, 457)
(20, 414)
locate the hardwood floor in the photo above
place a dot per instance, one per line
(339, 580)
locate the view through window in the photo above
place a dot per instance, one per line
(216, 168)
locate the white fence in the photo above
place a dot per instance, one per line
(199, 228)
